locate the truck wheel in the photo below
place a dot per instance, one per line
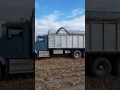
(77, 54)
(101, 67)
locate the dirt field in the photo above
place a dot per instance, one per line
(18, 82)
(106, 83)
(60, 74)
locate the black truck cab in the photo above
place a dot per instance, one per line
(16, 48)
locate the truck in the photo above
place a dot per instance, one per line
(17, 47)
(56, 43)
(102, 45)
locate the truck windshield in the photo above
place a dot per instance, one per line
(40, 39)
(14, 32)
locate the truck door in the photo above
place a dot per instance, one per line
(14, 43)
(41, 43)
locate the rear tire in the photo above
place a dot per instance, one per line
(101, 67)
(77, 54)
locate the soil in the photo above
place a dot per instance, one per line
(105, 83)
(18, 82)
(60, 73)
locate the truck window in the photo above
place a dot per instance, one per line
(40, 39)
(14, 32)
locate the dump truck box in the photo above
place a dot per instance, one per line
(102, 43)
(102, 32)
(66, 41)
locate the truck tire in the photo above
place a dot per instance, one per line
(101, 67)
(77, 54)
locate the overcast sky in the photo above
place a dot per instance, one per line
(53, 14)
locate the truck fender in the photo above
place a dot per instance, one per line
(2, 61)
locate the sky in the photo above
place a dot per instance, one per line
(53, 14)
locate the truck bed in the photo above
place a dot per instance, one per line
(103, 34)
(66, 41)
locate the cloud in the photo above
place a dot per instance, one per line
(36, 5)
(76, 12)
(51, 22)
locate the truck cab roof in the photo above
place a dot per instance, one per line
(15, 24)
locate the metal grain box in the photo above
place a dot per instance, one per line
(102, 36)
(66, 41)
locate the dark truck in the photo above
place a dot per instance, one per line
(17, 47)
(102, 43)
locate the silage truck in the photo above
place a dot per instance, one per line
(60, 42)
(17, 47)
(102, 45)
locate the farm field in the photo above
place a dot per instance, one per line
(60, 73)
(105, 83)
(18, 82)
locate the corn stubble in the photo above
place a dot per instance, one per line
(18, 82)
(60, 74)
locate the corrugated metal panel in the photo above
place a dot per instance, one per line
(69, 42)
(66, 41)
(81, 41)
(57, 41)
(110, 37)
(103, 36)
(75, 42)
(97, 36)
(103, 33)
(51, 41)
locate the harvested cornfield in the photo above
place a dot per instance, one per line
(60, 73)
(18, 82)
(105, 83)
